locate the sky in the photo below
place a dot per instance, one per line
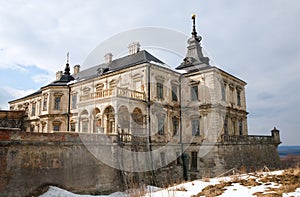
(255, 40)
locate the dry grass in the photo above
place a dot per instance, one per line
(269, 194)
(289, 181)
(249, 182)
(214, 190)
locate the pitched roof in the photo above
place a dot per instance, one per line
(118, 64)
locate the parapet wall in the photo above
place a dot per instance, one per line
(31, 160)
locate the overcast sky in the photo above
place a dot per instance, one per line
(255, 40)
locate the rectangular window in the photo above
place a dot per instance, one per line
(33, 109)
(85, 126)
(175, 125)
(57, 103)
(240, 127)
(161, 122)
(233, 126)
(194, 160)
(226, 126)
(72, 126)
(45, 103)
(195, 127)
(223, 92)
(160, 90)
(194, 93)
(74, 101)
(238, 98)
(174, 93)
(56, 127)
(163, 159)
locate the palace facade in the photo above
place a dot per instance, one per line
(139, 95)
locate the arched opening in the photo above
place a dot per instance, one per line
(123, 119)
(138, 121)
(124, 124)
(84, 121)
(109, 119)
(97, 121)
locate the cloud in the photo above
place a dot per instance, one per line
(257, 41)
(42, 79)
(7, 94)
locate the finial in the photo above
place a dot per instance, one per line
(194, 33)
(68, 57)
(67, 69)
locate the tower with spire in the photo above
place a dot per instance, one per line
(67, 77)
(194, 59)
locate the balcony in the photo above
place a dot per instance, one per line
(114, 92)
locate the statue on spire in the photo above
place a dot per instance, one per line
(67, 69)
(194, 32)
(68, 57)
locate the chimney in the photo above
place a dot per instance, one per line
(59, 74)
(134, 48)
(76, 69)
(108, 57)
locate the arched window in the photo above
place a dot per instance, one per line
(97, 121)
(138, 121)
(123, 119)
(84, 121)
(109, 119)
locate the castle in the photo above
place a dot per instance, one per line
(196, 112)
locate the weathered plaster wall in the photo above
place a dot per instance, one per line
(28, 161)
(31, 160)
(241, 155)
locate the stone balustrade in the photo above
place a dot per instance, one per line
(114, 92)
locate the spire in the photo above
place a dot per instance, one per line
(194, 32)
(194, 59)
(67, 69)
